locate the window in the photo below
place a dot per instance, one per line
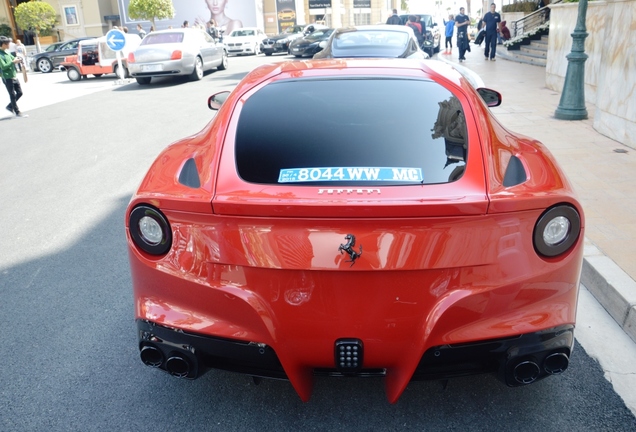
(70, 15)
(161, 38)
(348, 123)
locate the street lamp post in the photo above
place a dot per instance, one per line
(572, 103)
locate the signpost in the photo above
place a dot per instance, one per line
(116, 40)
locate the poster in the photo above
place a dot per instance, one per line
(285, 14)
(230, 14)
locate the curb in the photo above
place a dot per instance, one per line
(614, 289)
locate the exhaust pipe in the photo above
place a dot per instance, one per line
(526, 372)
(151, 356)
(178, 366)
(556, 363)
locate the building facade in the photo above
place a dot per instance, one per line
(79, 18)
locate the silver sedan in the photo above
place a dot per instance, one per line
(175, 52)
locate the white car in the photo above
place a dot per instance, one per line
(246, 40)
(175, 52)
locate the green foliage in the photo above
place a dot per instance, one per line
(149, 10)
(36, 15)
(520, 6)
(5, 30)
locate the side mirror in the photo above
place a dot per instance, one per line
(216, 100)
(491, 97)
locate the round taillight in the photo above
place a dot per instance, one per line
(557, 230)
(150, 230)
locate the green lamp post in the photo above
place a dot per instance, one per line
(572, 103)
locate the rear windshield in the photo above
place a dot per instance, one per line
(239, 33)
(162, 38)
(370, 44)
(354, 131)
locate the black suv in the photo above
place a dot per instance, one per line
(46, 61)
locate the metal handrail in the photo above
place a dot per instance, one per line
(531, 21)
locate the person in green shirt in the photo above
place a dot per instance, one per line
(9, 77)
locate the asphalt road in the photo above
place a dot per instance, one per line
(68, 345)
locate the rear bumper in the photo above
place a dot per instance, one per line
(165, 68)
(517, 361)
(241, 50)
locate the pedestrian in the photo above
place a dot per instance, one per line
(450, 29)
(9, 77)
(20, 52)
(418, 19)
(211, 29)
(11, 47)
(141, 31)
(416, 27)
(461, 22)
(185, 24)
(394, 19)
(492, 21)
(504, 31)
(125, 29)
(152, 28)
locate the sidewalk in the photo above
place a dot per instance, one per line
(602, 171)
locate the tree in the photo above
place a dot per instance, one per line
(149, 10)
(35, 15)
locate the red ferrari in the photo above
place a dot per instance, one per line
(356, 218)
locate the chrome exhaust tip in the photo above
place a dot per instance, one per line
(178, 366)
(526, 372)
(556, 363)
(151, 356)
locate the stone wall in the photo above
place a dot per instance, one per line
(610, 81)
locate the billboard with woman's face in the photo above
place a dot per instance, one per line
(227, 14)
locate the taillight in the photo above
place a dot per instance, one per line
(131, 58)
(557, 230)
(150, 230)
(176, 55)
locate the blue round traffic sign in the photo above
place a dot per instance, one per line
(116, 40)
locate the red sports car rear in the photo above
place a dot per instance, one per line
(390, 228)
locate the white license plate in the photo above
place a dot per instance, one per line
(151, 68)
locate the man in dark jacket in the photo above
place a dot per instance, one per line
(492, 20)
(461, 22)
(394, 19)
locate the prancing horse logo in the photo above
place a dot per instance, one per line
(348, 248)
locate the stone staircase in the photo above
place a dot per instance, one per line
(535, 54)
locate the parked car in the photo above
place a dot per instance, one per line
(347, 244)
(372, 41)
(433, 36)
(280, 43)
(94, 57)
(246, 40)
(310, 44)
(47, 61)
(176, 52)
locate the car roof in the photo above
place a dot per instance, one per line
(437, 70)
(178, 30)
(377, 27)
(246, 28)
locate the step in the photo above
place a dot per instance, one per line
(516, 56)
(531, 51)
